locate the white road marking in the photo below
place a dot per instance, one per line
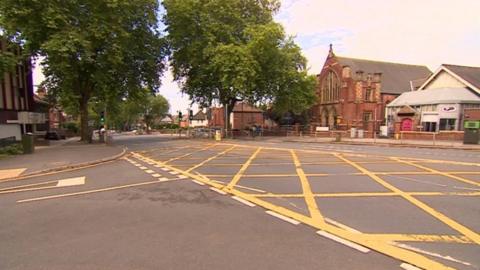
(341, 226)
(156, 175)
(448, 258)
(149, 171)
(143, 168)
(198, 183)
(71, 182)
(157, 166)
(182, 176)
(282, 217)
(138, 165)
(165, 169)
(174, 173)
(163, 179)
(218, 191)
(243, 201)
(407, 266)
(343, 241)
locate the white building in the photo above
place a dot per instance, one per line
(439, 102)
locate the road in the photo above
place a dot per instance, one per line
(197, 204)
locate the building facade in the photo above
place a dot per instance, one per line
(243, 116)
(17, 114)
(440, 102)
(353, 93)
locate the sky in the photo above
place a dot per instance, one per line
(423, 32)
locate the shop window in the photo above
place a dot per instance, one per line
(447, 124)
(430, 126)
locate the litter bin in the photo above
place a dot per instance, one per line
(218, 135)
(353, 133)
(360, 133)
(471, 134)
(27, 143)
(338, 137)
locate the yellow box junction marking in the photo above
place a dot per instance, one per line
(307, 191)
(9, 173)
(446, 220)
(188, 154)
(362, 239)
(242, 170)
(458, 178)
(211, 158)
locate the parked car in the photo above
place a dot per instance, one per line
(55, 135)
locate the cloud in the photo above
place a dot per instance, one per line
(423, 32)
(171, 91)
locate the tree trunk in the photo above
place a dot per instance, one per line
(85, 135)
(229, 105)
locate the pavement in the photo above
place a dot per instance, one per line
(201, 204)
(59, 155)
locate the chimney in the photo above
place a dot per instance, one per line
(377, 77)
(359, 75)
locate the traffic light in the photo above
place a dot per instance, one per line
(180, 116)
(190, 115)
(102, 117)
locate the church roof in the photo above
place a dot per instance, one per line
(395, 77)
(436, 96)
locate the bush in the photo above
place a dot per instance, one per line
(71, 126)
(13, 149)
(167, 126)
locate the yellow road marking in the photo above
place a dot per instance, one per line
(368, 194)
(29, 185)
(380, 246)
(443, 218)
(9, 173)
(307, 191)
(211, 158)
(460, 239)
(244, 167)
(458, 178)
(188, 154)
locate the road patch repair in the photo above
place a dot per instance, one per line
(414, 210)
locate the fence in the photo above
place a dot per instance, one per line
(7, 141)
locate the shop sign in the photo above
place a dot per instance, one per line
(448, 108)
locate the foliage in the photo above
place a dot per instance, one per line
(103, 50)
(71, 126)
(144, 106)
(13, 149)
(231, 50)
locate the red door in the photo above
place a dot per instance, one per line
(407, 124)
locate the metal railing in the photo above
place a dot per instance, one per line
(7, 141)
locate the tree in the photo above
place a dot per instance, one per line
(232, 50)
(144, 106)
(92, 49)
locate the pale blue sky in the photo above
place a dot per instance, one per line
(426, 32)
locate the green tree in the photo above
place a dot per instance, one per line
(232, 50)
(92, 49)
(145, 106)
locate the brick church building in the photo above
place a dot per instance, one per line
(353, 93)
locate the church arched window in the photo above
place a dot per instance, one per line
(330, 87)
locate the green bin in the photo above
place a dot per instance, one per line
(28, 143)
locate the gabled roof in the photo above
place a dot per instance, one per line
(200, 115)
(395, 77)
(470, 76)
(436, 96)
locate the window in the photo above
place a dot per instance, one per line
(368, 94)
(330, 88)
(447, 124)
(367, 116)
(430, 126)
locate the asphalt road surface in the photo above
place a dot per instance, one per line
(198, 204)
